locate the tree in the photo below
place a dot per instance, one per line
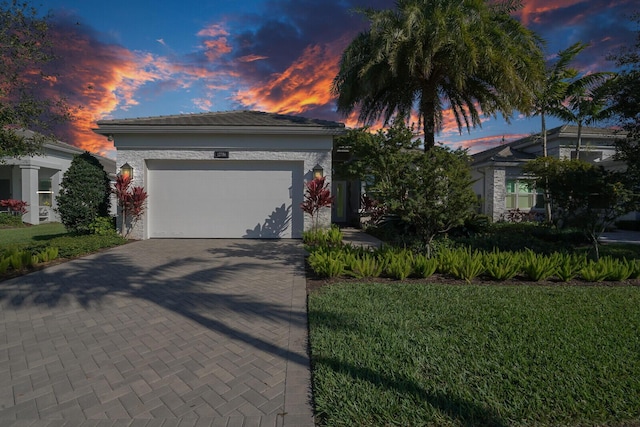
(553, 91)
(587, 103)
(562, 83)
(625, 98)
(131, 201)
(584, 195)
(468, 56)
(25, 48)
(317, 196)
(429, 191)
(84, 193)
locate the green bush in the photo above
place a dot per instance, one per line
(594, 271)
(331, 237)
(424, 266)
(617, 270)
(9, 220)
(635, 269)
(398, 265)
(569, 266)
(327, 263)
(366, 265)
(84, 193)
(538, 267)
(502, 265)
(4, 265)
(467, 264)
(72, 246)
(103, 226)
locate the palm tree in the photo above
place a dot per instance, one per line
(550, 95)
(468, 56)
(587, 103)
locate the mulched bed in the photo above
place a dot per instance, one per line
(314, 282)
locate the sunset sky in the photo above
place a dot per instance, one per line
(133, 58)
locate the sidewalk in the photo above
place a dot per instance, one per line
(357, 237)
(621, 236)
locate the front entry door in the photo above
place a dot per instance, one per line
(339, 206)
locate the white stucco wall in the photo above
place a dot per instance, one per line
(136, 150)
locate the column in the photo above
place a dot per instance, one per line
(29, 178)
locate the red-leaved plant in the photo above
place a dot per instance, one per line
(316, 197)
(130, 200)
(15, 206)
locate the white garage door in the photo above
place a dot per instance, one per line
(225, 199)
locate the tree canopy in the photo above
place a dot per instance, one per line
(625, 98)
(429, 192)
(469, 56)
(84, 193)
(25, 49)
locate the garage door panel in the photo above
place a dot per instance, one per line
(194, 199)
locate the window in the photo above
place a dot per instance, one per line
(45, 195)
(522, 195)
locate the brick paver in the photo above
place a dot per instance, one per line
(159, 333)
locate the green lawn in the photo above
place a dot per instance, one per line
(35, 239)
(31, 235)
(421, 355)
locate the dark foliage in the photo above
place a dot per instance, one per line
(84, 193)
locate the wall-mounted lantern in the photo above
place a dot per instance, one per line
(126, 171)
(318, 172)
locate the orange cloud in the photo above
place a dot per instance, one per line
(213, 30)
(484, 143)
(251, 58)
(305, 84)
(532, 8)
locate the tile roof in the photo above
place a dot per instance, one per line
(226, 118)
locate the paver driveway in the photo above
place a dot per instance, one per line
(159, 332)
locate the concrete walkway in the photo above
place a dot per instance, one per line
(159, 333)
(621, 236)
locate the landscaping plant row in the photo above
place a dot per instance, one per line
(329, 258)
(18, 260)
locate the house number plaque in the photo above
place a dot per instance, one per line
(220, 154)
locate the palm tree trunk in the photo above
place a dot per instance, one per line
(579, 142)
(547, 196)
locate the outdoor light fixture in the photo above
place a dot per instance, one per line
(126, 171)
(318, 172)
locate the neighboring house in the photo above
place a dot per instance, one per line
(500, 183)
(36, 180)
(234, 174)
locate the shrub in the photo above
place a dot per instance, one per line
(635, 269)
(365, 265)
(4, 264)
(74, 246)
(569, 266)
(423, 266)
(317, 196)
(15, 207)
(327, 263)
(102, 226)
(502, 265)
(538, 267)
(9, 220)
(594, 271)
(617, 270)
(84, 193)
(467, 264)
(398, 264)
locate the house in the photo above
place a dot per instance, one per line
(36, 179)
(500, 183)
(234, 174)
